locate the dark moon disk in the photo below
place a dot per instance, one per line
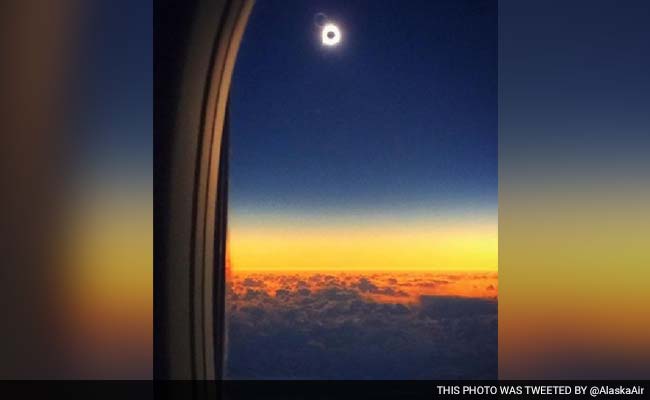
(320, 19)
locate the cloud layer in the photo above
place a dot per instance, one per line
(361, 326)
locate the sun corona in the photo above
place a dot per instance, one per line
(330, 35)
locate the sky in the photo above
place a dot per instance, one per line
(378, 153)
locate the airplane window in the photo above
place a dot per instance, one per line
(362, 211)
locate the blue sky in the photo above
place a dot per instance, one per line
(400, 117)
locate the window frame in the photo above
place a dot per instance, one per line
(195, 52)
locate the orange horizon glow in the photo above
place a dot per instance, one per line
(451, 247)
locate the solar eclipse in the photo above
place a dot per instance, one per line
(330, 35)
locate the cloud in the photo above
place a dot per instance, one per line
(250, 282)
(365, 286)
(252, 294)
(456, 307)
(433, 283)
(329, 326)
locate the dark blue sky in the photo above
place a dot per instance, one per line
(116, 77)
(403, 113)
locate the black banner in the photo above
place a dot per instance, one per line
(321, 390)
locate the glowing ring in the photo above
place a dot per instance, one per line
(331, 35)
